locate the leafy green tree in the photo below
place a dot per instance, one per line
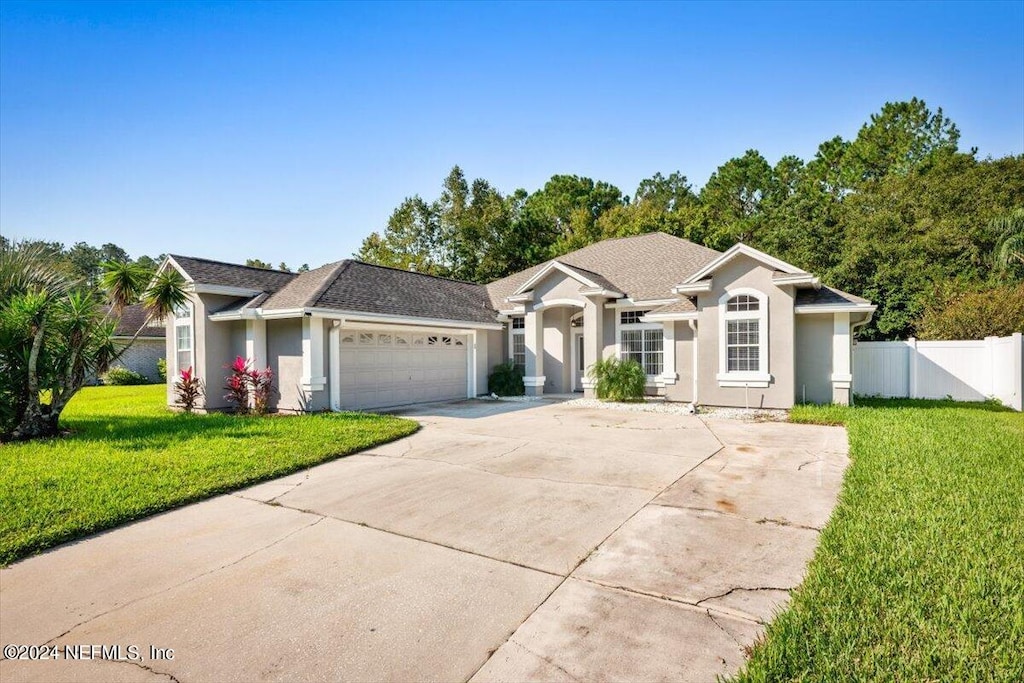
(569, 206)
(955, 312)
(900, 137)
(257, 263)
(411, 240)
(732, 199)
(55, 332)
(1009, 229)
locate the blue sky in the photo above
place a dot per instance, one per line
(291, 131)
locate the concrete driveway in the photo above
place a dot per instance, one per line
(502, 542)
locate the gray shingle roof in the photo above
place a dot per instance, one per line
(207, 272)
(641, 267)
(134, 318)
(305, 289)
(681, 305)
(826, 296)
(356, 286)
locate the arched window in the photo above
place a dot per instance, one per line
(743, 331)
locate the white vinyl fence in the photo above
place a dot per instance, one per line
(965, 370)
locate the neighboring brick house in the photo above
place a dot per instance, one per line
(149, 347)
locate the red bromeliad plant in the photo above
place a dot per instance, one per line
(262, 384)
(238, 385)
(188, 390)
(245, 383)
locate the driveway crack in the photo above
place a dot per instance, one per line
(723, 629)
(741, 588)
(187, 581)
(549, 660)
(146, 668)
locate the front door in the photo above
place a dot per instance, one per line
(578, 368)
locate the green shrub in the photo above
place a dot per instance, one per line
(506, 380)
(161, 368)
(616, 380)
(123, 377)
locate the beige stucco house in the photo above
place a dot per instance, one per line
(738, 328)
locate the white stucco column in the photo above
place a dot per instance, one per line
(534, 339)
(256, 342)
(313, 354)
(842, 374)
(593, 340)
(668, 352)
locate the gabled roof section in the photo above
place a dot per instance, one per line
(306, 288)
(641, 267)
(202, 271)
(581, 275)
(828, 296)
(355, 286)
(741, 249)
(136, 318)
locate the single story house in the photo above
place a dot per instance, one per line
(149, 346)
(739, 328)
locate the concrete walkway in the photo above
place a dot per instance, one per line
(502, 542)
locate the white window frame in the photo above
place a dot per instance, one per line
(189, 322)
(754, 379)
(512, 333)
(620, 327)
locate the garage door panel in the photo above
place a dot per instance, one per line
(382, 368)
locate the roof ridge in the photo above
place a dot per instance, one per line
(233, 265)
(415, 272)
(339, 268)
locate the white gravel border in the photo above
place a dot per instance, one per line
(672, 408)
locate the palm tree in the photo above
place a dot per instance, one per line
(54, 333)
(1010, 248)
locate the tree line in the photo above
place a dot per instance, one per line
(899, 214)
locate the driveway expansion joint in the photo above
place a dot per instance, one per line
(333, 518)
(506, 475)
(185, 582)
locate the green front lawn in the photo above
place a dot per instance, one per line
(919, 575)
(128, 457)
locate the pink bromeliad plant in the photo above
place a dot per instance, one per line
(188, 390)
(244, 383)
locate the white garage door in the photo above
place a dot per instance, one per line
(382, 368)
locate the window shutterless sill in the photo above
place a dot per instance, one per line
(752, 380)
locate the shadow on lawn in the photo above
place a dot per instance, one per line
(926, 403)
(160, 431)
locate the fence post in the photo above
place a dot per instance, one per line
(1017, 366)
(990, 350)
(912, 363)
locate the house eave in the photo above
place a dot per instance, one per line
(693, 288)
(353, 316)
(667, 317)
(627, 302)
(835, 308)
(737, 250)
(546, 270)
(600, 291)
(797, 280)
(200, 288)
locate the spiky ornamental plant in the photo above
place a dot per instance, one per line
(237, 385)
(54, 334)
(188, 390)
